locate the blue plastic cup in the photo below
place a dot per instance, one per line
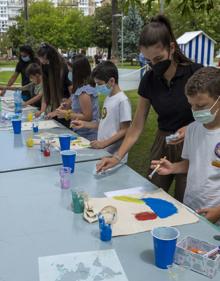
(16, 124)
(68, 158)
(64, 142)
(164, 245)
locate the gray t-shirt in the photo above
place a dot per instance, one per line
(203, 179)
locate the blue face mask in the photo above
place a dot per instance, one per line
(205, 116)
(25, 59)
(70, 76)
(103, 90)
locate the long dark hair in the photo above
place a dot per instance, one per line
(27, 49)
(159, 30)
(53, 75)
(81, 71)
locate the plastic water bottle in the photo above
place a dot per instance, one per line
(18, 102)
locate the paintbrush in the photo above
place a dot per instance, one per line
(156, 168)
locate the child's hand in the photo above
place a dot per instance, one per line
(166, 167)
(98, 144)
(61, 113)
(211, 214)
(77, 124)
(181, 136)
(51, 115)
(106, 163)
(37, 114)
(64, 104)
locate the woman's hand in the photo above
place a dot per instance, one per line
(211, 214)
(181, 132)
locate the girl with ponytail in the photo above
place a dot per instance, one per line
(162, 88)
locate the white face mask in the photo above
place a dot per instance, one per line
(205, 116)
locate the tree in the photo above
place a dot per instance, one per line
(186, 7)
(133, 25)
(101, 28)
(63, 27)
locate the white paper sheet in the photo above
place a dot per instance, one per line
(128, 191)
(87, 266)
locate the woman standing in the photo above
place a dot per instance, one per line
(26, 57)
(162, 88)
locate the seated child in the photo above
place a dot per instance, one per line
(201, 152)
(34, 73)
(116, 110)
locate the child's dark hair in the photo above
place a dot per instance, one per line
(159, 30)
(33, 69)
(105, 70)
(53, 77)
(27, 49)
(81, 71)
(204, 80)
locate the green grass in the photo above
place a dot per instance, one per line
(6, 63)
(127, 65)
(5, 75)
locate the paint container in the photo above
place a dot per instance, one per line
(77, 201)
(35, 127)
(65, 173)
(68, 158)
(64, 142)
(105, 229)
(164, 239)
(16, 124)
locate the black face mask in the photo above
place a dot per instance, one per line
(161, 67)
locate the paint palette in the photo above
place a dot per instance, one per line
(193, 254)
(142, 212)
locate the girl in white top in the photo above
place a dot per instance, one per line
(116, 112)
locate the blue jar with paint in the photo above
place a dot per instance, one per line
(105, 230)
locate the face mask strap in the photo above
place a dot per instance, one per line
(214, 103)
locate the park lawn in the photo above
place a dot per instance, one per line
(5, 75)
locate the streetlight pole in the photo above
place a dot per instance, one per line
(122, 35)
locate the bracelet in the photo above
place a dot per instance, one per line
(116, 156)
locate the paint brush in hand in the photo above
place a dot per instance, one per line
(156, 168)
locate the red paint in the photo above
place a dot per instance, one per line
(145, 216)
(46, 152)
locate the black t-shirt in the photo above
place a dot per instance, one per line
(21, 69)
(169, 101)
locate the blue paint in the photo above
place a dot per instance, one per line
(161, 207)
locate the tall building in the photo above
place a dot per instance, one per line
(9, 9)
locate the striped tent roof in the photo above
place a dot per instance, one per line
(188, 36)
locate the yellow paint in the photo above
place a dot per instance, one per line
(30, 142)
(30, 117)
(129, 199)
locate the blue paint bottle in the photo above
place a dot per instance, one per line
(105, 230)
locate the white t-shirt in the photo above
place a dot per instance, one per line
(116, 109)
(203, 179)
